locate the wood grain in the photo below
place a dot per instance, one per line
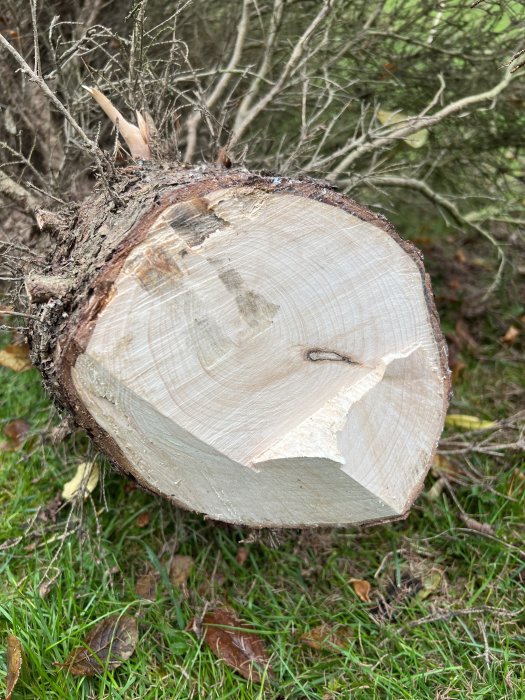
(270, 359)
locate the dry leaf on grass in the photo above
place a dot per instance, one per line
(435, 491)
(362, 589)
(430, 584)
(14, 664)
(146, 586)
(511, 335)
(324, 637)
(111, 642)
(457, 420)
(15, 357)
(235, 643)
(143, 519)
(242, 555)
(16, 431)
(85, 479)
(442, 466)
(180, 569)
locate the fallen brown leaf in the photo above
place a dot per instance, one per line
(14, 664)
(180, 569)
(16, 431)
(15, 357)
(143, 519)
(511, 335)
(242, 555)
(324, 637)
(146, 586)
(362, 589)
(110, 642)
(235, 643)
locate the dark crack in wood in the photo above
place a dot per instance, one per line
(320, 355)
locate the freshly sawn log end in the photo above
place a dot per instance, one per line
(261, 350)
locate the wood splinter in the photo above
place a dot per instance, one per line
(136, 137)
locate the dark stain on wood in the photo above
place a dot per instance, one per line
(155, 268)
(194, 221)
(257, 311)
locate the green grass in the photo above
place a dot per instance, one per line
(290, 583)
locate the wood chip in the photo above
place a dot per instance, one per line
(511, 335)
(242, 555)
(143, 519)
(436, 489)
(472, 524)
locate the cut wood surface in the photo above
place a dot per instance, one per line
(260, 350)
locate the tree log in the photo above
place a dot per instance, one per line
(258, 349)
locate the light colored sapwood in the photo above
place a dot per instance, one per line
(269, 359)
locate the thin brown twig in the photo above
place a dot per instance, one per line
(459, 612)
(91, 145)
(18, 194)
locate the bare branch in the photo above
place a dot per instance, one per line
(261, 74)
(36, 47)
(91, 145)
(363, 145)
(18, 194)
(450, 207)
(288, 70)
(194, 120)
